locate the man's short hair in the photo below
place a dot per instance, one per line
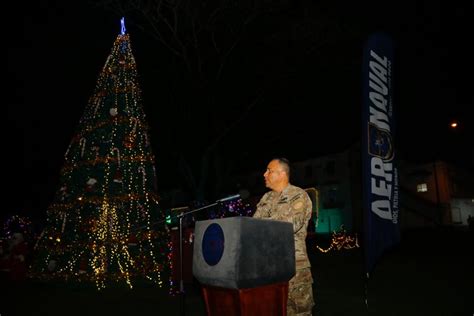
(285, 164)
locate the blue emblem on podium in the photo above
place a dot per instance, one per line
(213, 244)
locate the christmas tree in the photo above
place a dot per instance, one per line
(101, 225)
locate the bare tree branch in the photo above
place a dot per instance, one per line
(202, 35)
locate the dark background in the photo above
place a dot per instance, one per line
(301, 60)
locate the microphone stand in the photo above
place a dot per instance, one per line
(181, 282)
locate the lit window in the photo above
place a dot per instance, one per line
(421, 187)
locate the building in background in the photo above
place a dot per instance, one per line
(436, 193)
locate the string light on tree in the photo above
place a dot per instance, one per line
(19, 224)
(107, 195)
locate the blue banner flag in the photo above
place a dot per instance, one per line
(380, 172)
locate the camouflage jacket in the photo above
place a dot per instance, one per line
(293, 205)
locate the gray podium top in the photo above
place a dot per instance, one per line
(243, 252)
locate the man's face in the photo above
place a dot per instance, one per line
(274, 175)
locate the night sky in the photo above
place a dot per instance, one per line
(300, 63)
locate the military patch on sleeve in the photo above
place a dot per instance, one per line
(297, 205)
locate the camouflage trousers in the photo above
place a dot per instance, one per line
(300, 294)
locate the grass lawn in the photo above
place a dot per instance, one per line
(429, 273)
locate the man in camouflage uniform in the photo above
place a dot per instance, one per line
(286, 202)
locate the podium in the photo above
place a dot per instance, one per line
(244, 265)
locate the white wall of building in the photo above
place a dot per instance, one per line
(461, 209)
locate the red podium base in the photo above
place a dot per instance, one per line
(269, 300)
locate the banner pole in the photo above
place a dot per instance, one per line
(366, 291)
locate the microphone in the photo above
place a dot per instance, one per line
(232, 197)
(184, 208)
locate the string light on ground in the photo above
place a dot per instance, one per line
(341, 240)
